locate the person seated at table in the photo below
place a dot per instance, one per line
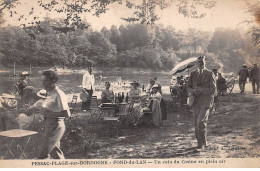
(135, 92)
(150, 85)
(25, 121)
(22, 83)
(135, 96)
(156, 95)
(107, 95)
(6, 102)
(154, 105)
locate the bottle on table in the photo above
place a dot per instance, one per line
(115, 98)
(126, 99)
(119, 97)
(123, 96)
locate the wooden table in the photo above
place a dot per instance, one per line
(17, 134)
(102, 111)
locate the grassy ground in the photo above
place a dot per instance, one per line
(233, 132)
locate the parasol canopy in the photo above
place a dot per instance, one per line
(182, 66)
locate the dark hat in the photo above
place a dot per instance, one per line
(107, 82)
(201, 58)
(135, 82)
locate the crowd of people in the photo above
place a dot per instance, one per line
(151, 98)
(199, 91)
(51, 102)
(253, 75)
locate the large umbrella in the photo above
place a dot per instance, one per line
(182, 66)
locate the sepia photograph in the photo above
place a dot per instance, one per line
(129, 83)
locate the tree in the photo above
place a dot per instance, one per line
(227, 45)
(253, 7)
(7, 5)
(105, 33)
(133, 36)
(115, 36)
(198, 40)
(145, 12)
(167, 37)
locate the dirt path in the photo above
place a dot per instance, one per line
(233, 131)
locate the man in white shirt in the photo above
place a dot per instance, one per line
(56, 110)
(88, 85)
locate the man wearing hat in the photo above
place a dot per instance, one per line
(201, 85)
(255, 77)
(243, 74)
(88, 85)
(23, 82)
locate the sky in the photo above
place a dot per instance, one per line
(226, 14)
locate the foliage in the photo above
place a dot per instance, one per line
(76, 138)
(253, 7)
(7, 5)
(133, 45)
(145, 12)
(228, 45)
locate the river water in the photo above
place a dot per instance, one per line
(70, 81)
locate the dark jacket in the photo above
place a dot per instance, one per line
(243, 74)
(221, 84)
(255, 74)
(206, 83)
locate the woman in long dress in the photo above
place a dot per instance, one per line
(135, 96)
(156, 99)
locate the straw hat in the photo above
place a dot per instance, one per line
(135, 82)
(25, 73)
(9, 96)
(42, 94)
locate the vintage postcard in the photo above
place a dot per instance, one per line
(129, 83)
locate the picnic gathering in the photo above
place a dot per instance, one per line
(197, 94)
(121, 79)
